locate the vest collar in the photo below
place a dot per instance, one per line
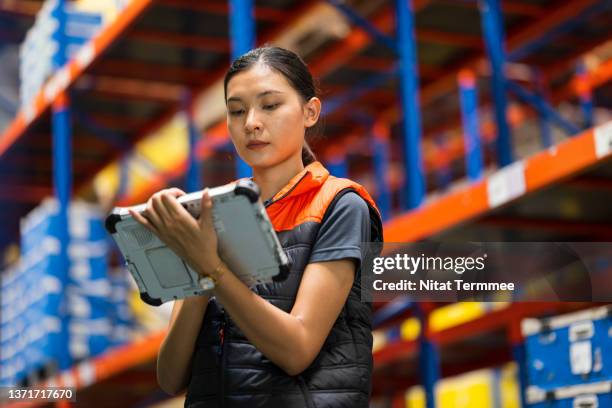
(311, 177)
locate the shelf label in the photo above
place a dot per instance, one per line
(87, 373)
(63, 78)
(29, 112)
(581, 360)
(67, 379)
(85, 55)
(51, 89)
(506, 184)
(56, 84)
(603, 140)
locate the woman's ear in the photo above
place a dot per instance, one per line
(312, 110)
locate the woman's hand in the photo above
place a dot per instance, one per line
(193, 240)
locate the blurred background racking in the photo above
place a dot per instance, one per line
(467, 120)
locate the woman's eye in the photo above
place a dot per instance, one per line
(271, 106)
(235, 112)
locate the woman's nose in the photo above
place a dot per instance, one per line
(252, 121)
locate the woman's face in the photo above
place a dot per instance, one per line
(266, 117)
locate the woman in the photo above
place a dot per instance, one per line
(304, 342)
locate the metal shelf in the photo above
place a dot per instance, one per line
(547, 168)
(159, 55)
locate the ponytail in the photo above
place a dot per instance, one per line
(307, 155)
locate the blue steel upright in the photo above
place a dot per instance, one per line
(409, 86)
(493, 31)
(429, 359)
(62, 163)
(545, 130)
(338, 166)
(242, 33)
(381, 170)
(124, 173)
(469, 118)
(585, 96)
(61, 40)
(519, 356)
(194, 179)
(364, 24)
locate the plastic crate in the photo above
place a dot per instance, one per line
(570, 349)
(496, 387)
(593, 395)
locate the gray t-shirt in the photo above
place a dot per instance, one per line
(343, 230)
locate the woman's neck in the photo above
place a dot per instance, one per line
(272, 179)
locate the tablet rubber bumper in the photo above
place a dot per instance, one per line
(247, 188)
(283, 272)
(111, 222)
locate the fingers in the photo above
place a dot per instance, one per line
(165, 205)
(162, 210)
(206, 208)
(142, 220)
(174, 208)
(150, 212)
(175, 192)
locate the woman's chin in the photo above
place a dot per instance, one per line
(258, 160)
(264, 160)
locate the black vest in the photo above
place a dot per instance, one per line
(228, 371)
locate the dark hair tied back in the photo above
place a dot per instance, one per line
(293, 68)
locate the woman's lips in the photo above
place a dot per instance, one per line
(257, 145)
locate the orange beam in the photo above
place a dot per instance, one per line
(219, 45)
(540, 170)
(370, 63)
(381, 64)
(447, 211)
(127, 356)
(23, 194)
(595, 78)
(26, 8)
(137, 89)
(587, 229)
(508, 6)
(114, 121)
(552, 19)
(148, 71)
(569, 62)
(222, 9)
(456, 39)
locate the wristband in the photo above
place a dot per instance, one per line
(209, 282)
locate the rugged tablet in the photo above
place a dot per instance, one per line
(247, 244)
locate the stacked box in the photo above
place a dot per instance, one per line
(88, 292)
(493, 387)
(40, 50)
(124, 320)
(11, 325)
(45, 329)
(566, 353)
(64, 315)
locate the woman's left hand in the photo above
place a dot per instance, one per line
(193, 240)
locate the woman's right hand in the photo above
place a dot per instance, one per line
(193, 240)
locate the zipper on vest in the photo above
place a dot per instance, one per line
(305, 392)
(222, 335)
(268, 203)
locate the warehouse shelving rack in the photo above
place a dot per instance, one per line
(121, 98)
